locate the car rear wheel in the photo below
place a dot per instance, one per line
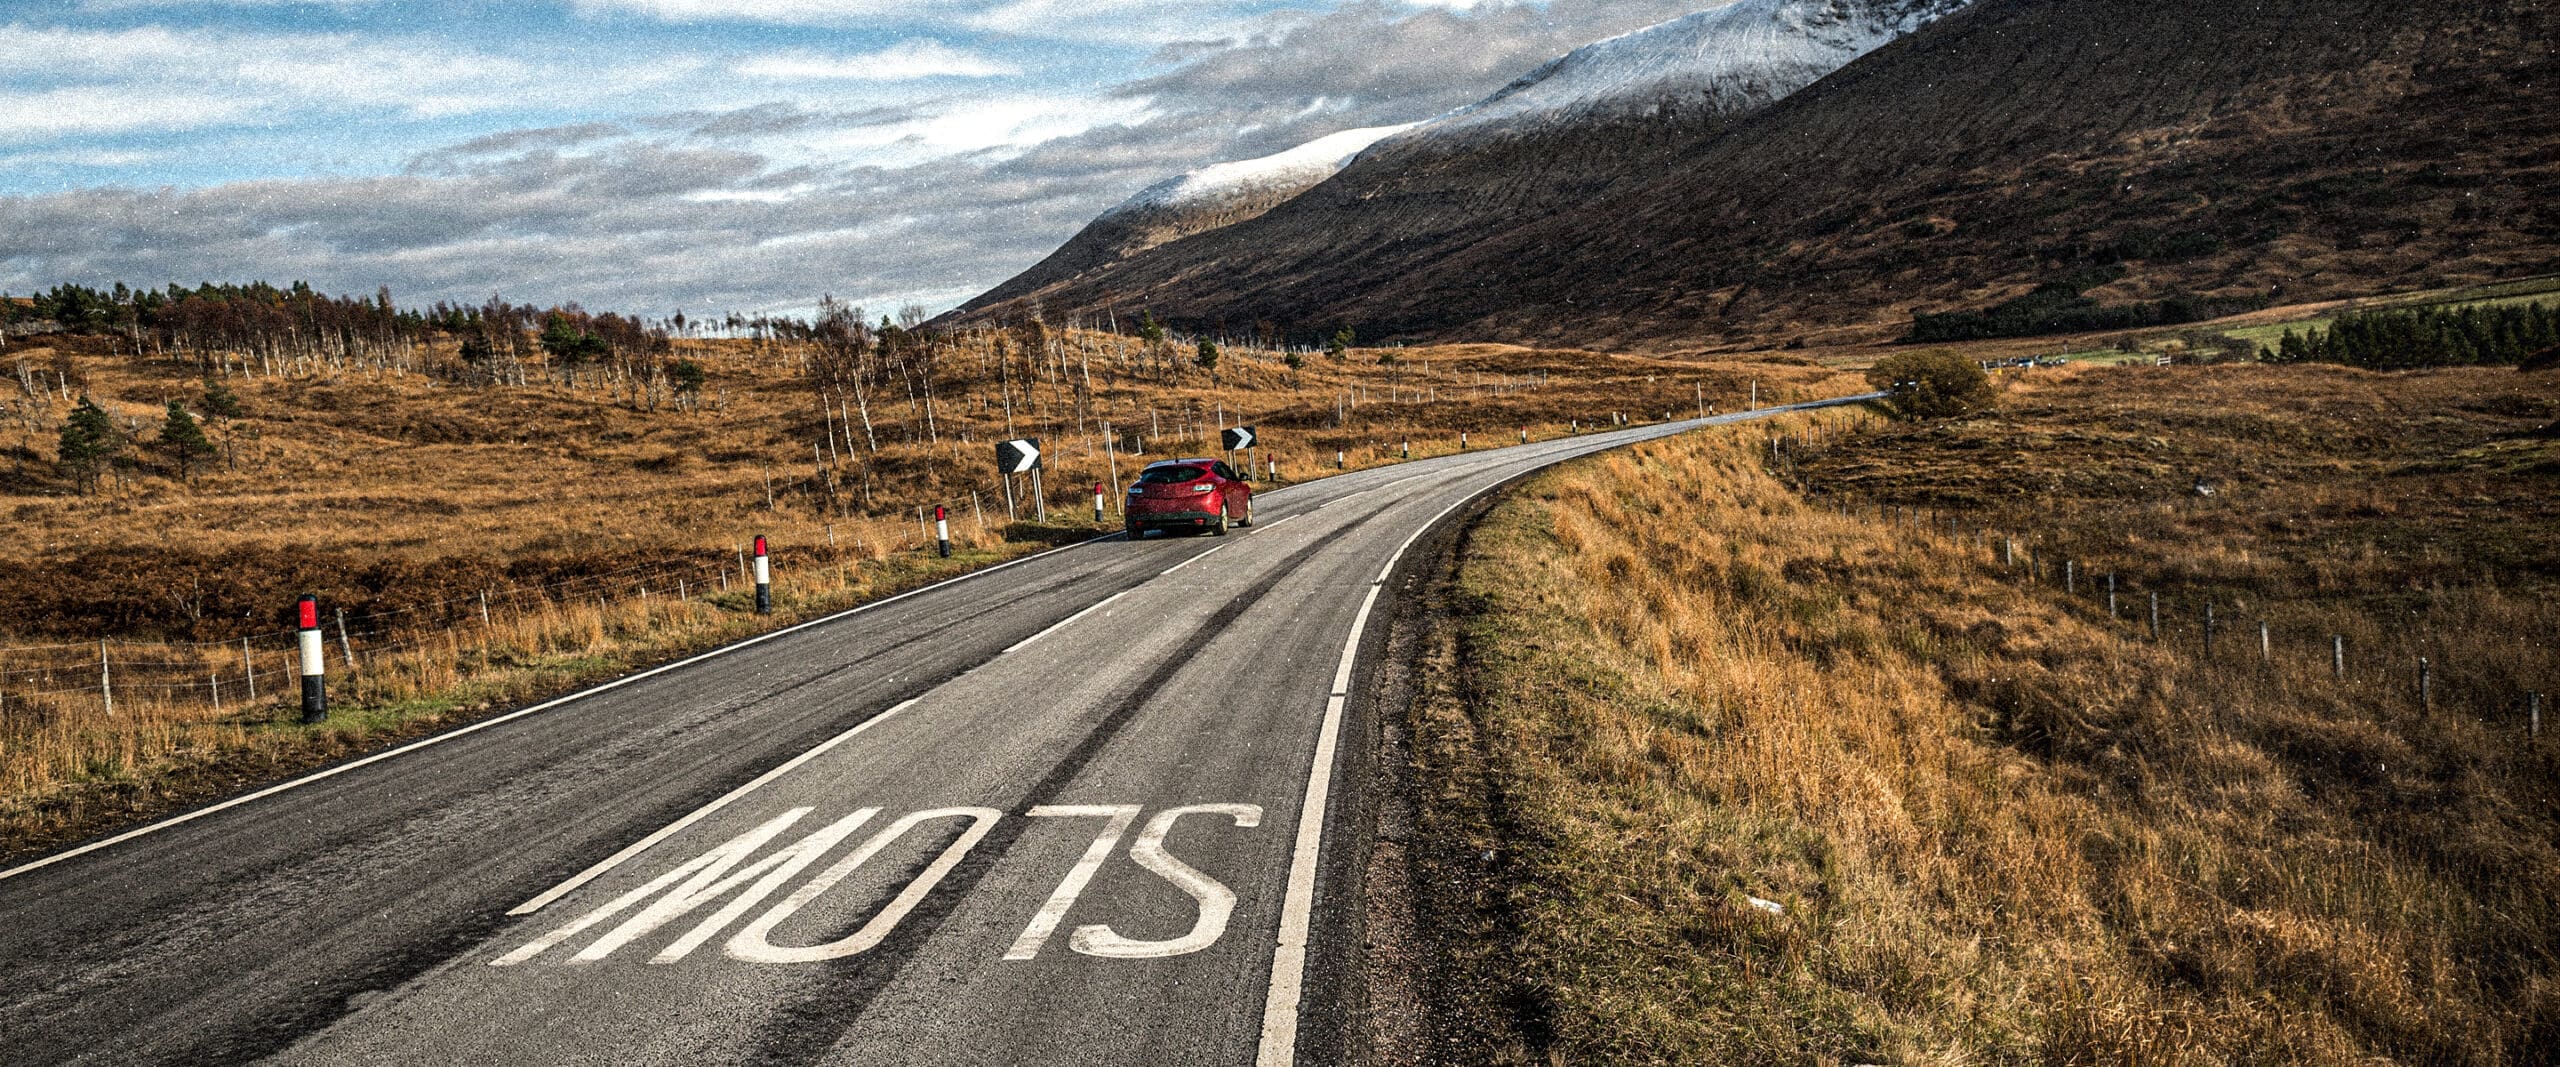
(1219, 528)
(1247, 518)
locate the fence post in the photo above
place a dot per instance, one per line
(315, 664)
(2208, 628)
(2111, 596)
(2338, 655)
(2266, 643)
(2533, 716)
(106, 680)
(249, 667)
(764, 580)
(347, 649)
(2155, 616)
(484, 608)
(2426, 683)
(2009, 552)
(2071, 577)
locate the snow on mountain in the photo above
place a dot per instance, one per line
(1244, 181)
(1734, 58)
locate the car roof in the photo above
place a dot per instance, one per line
(1180, 463)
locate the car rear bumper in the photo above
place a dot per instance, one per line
(1172, 518)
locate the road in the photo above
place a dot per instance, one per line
(1055, 813)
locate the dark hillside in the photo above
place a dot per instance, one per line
(2293, 148)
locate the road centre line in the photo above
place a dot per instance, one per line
(438, 739)
(1065, 622)
(429, 742)
(671, 829)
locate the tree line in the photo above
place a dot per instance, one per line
(2425, 337)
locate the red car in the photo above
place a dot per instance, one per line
(1189, 494)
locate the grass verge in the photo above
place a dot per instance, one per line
(1770, 779)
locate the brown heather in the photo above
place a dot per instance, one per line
(402, 499)
(2002, 826)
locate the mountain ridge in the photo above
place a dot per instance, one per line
(1960, 164)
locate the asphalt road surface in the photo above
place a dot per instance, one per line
(1055, 813)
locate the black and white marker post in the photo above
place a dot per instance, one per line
(942, 530)
(315, 665)
(1097, 502)
(764, 579)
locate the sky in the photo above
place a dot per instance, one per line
(708, 156)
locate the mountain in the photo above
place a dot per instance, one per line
(1196, 202)
(1656, 90)
(1729, 60)
(2293, 148)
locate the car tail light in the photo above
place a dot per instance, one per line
(1203, 488)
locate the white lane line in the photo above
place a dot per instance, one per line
(1192, 560)
(1279, 1046)
(1297, 909)
(1275, 522)
(671, 829)
(512, 716)
(1069, 620)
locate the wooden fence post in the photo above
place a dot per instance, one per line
(2338, 655)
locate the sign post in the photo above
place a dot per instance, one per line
(1021, 457)
(1241, 439)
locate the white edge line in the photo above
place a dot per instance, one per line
(164, 824)
(1069, 620)
(1192, 560)
(1279, 1046)
(671, 829)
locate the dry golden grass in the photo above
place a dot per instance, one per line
(2002, 826)
(402, 499)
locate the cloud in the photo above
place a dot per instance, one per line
(797, 12)
(157, 78)
(652, 178)
(905, 61)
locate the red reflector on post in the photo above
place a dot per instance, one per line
(941, 513)
(310, 613)
(760, 544)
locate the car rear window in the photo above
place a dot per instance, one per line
(1170, 475)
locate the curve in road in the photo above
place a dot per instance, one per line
(1070, 810)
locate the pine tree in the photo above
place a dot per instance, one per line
(182, 440)
(1207, 357)
(220, 402)
(1341, 344)
(88, 442)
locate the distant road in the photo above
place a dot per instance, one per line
(1051, 814)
